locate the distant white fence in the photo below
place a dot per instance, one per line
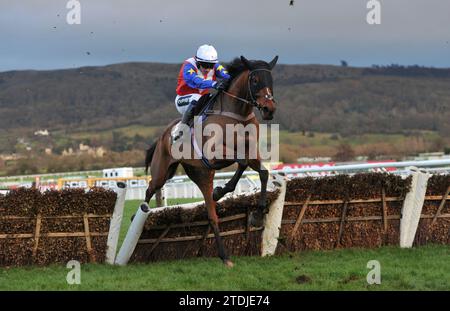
(187, 189)
(181, 187)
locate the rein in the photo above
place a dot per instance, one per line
(253, 101)
(239, 98)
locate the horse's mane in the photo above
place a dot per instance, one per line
(236, 66)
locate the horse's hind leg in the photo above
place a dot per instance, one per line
(203, 178)
(160, 174)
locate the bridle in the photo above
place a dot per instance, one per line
(252, 100)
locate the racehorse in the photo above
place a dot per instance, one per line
(250, 86)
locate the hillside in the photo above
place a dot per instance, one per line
(318, 98)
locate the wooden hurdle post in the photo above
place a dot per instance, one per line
(133, 235)
(272, 221)
(116, 221)
(412, 207)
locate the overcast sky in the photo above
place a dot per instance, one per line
(34, 34)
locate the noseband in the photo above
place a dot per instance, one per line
(253, 101)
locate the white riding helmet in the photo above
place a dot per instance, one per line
(206, 54)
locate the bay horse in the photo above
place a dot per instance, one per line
(250, 86)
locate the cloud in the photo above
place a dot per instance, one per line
(311, 31)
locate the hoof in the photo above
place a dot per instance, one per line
(132, 217)
(256, 219)
(277, 184)
(228, 263)
(217, 193)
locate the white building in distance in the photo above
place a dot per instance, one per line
(41, 133)
(118, 172)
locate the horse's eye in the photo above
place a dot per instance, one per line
(254, 81)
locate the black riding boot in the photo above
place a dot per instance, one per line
(189, 113)
(186, 119)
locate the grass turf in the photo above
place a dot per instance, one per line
(424, 268)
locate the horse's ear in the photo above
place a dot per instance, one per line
(273, 62)
(246, 62)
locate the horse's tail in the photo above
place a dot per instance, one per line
(149, 156)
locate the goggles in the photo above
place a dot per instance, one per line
(206, 65)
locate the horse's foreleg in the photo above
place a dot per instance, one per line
(256, 218)
(230, 186)
(203, 178)
(214, 223)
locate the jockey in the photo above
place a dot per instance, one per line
(197, 75)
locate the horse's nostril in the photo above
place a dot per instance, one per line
(265, 109)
